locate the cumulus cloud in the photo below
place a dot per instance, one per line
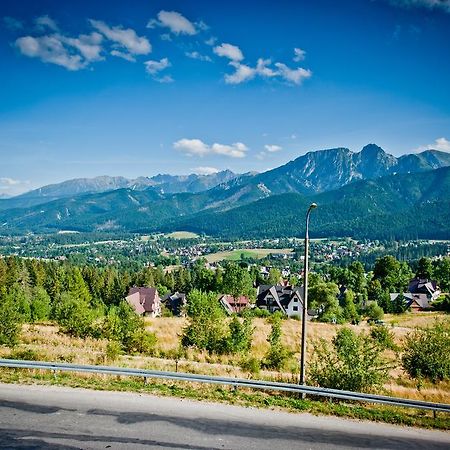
(241, 74)
(439, 144)
(299, 54)
(87, 44)
(229, 51)
(10, 186)
(273, 148)
(202, 170)
(123, 55)
(123, 37)
(295, 76)
(236, 150)
(50, 49)
(46, 22)
(192, 147)
(176, 22)
(196, 147)
(443, 5)
(263, 69)
(154, 67)
(199, 56)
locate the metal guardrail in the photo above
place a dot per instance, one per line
(236, 382)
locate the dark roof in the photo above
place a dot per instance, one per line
(422, 286)
(281, 294)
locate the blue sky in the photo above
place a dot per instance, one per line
(103, 87)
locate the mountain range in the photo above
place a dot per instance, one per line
(365, 194)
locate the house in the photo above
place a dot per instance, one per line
(232, 304)
(145, 301)
(414, 302)
(424, 286)
(287, 299)
(175, 302)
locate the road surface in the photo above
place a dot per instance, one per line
(40, 417)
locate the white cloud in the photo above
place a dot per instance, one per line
(439, 144)
(229, 51)
(123, 37)
(196, 147)
(123, 55)
(199, 56)
(87, 44)
(242, 73)
(192, 147)
(11, 187)
(50, 49)
(236, 150)
(273, 148)
(263, 70)
(205, 170)
(295, 76)
(176, 22)
(429, 4)
(153, 67)
(299, 54)
(44, 22)
(9, 181)
(211, 41)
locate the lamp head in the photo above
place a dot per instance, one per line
(313, 205)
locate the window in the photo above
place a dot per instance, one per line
(295, 308)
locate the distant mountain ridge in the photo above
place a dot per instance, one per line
(352, 188)
(163, 183)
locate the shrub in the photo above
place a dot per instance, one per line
(251, 365)
(374, 311)
(352, 363)
(113, 350)
(277, 355)
(426, 352)
(26, 355)
(384, 337)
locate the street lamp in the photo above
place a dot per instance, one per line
(305, 296)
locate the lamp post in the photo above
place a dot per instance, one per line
(305, 297)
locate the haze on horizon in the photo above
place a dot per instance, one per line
(95, 88)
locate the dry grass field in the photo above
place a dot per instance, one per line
(45, 342)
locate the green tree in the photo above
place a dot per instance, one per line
(239, 339)
(75, 316)
(323, 297)
(237, 281)
(40, 305)
(348, 306)
(424, 268)
(426, 352)
(206, 328)
(373, 311)
(353, 362)
(11, 321)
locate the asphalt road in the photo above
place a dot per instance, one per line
(37, 417)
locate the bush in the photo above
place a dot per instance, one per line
(383, 336)
(374, 311)
(426, 352)
(113, 350)
(277, 355)
(251, 365)
(353, 363)
(26, 355)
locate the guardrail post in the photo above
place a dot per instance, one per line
(54, 374)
